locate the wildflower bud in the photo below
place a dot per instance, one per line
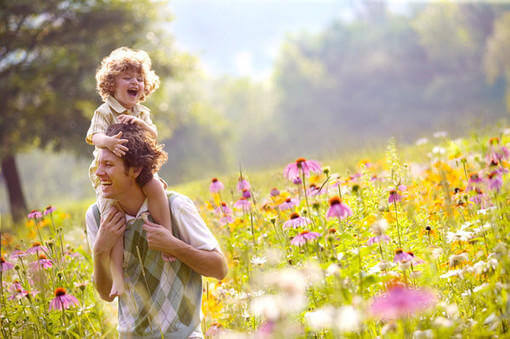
(50, 243)
(316, 205)
(273, 220)
(17, 267)
(60, 275)
(304, 212)
(326, 170)
(355, 188)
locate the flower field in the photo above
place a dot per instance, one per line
(390, 247)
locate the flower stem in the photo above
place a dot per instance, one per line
(398, 225)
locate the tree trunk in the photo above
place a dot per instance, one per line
(13, 183)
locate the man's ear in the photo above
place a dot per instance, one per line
(135, 171)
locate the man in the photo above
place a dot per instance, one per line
(162, 299)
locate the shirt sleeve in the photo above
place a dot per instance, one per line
(91, 226)
(191, 226)
(99, 124)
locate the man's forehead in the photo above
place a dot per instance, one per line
(106, 154)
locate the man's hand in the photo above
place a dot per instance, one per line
(159, 238)
(116, 144)
(112, 227)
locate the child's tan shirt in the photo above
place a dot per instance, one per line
(106, 115)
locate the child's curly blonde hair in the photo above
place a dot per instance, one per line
(121, 60)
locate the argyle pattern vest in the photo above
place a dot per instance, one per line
(162, 299)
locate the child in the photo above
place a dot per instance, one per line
(125, 79)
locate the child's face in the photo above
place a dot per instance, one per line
(129, 88)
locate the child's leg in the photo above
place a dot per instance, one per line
(158, 204)
(116, 261)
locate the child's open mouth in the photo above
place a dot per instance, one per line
(132, 92)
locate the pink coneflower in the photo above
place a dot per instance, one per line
(20, 293)
(5, 265)
(62, 300)
(292, 171)
(377, 239)
(473, 181)
(16, 285)
(480, 198)
(288, 204)
(35, 214)
(275, 192)
(49, 209)
(394, 196)
(226, 219)
(400, 255)
(401, 301)
(303, 237)
(215, 186)
(313, 190)
(42, 262)
(297, 181)
(296, 221)
(495, 181)
(17, 253)
(243, 204)
(337, 209)
(223, 208)
(243, 184)
(496, 153)
(246, 193)
(37, 247)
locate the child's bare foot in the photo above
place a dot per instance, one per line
(116, 291)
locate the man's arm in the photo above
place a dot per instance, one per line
(207, 263)
(112, 227)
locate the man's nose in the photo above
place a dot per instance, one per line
(99, 171)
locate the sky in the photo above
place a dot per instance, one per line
(242, 37)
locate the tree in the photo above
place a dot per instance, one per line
(49, 53)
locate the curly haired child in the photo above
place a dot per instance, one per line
(125, 79)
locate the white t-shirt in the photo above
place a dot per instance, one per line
(190, 224)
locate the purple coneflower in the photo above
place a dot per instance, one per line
(400, 255)
(226, 219)
(16, 285)
(400, 302)
(313, 190)
(215, 186)
(62, 300)
(246, 193)
(287, 204)
(49, 209)
(337, 209)
(223, 208)
(394, 196)
(243, 204)
(5, 265)
(297, 181)
(292, 171)
(480, 198)
(303, 237)
(20, 293)
(296, 221)
(35, 214)
(243, 184)
(275, 192)
(473, 181)
(17, 253)
(37, 247)
(42, 262)
(495, 181)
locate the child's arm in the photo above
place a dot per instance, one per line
(129, 119)
(113, 143)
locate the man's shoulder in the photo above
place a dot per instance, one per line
(90, 215)
(179, 200)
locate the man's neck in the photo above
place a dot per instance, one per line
(132, 203)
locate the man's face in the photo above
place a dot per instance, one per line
(115, 182)
(129, 87)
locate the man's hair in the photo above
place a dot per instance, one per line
(143, 150)
(121, 60)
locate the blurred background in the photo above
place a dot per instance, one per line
(245, 83)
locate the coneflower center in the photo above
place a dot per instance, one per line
(294, 215)
(60, 292)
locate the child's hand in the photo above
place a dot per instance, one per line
(116, 145)
(129, 119)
